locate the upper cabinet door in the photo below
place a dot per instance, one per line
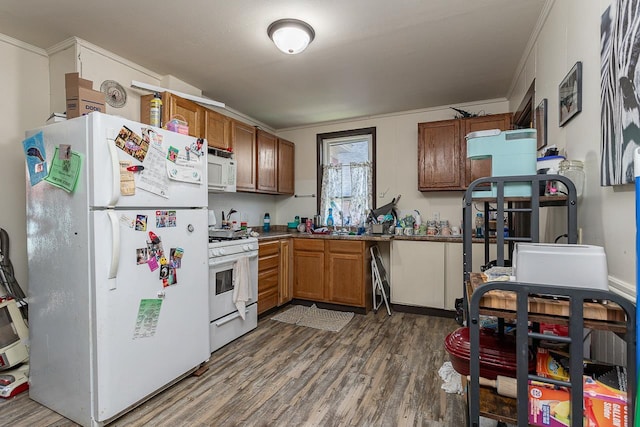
(183, 109)
(217, 129)
(267, 162)
(481, 168)
(243, 139)
(286, 166)
(439, 166)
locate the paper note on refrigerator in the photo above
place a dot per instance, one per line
(154, 177)
(147, 320)
(64, 173)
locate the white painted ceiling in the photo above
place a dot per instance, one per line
(369, 56)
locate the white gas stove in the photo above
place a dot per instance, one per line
(226, 323)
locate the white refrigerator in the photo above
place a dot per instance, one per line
(117, 255)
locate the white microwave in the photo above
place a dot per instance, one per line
(221, 172)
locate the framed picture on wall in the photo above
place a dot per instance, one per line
(570, 94)
(540, 120)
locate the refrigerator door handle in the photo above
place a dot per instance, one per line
(115, 167)
(115, 248)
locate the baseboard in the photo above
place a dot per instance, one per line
(427, 311)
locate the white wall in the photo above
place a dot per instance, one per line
(569, 33)
(25, 105)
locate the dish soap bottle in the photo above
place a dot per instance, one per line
(266, 224)
(330, 218)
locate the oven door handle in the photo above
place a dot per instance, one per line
(230, 318)
(221, 260)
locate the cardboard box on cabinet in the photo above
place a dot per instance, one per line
(81, 98)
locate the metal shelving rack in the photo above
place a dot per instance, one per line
(576, 298)
(512, 206)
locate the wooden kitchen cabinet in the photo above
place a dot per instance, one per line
(202, 122)
(217, 129)
(308, 269)
(286, 166)
(268, 275)
(346, 271)
(175, 107)
(244, 148)
(442, 152)
(439, 158)
(285, 293)
(267, 173)
(333, 271)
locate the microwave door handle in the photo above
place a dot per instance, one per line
(115, 167)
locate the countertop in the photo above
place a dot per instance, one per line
(283, 234)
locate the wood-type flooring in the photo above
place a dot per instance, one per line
(377, 371)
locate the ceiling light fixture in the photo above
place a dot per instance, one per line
(291, 35)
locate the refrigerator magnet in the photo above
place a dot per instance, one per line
(173, 276)
(153, 264)
(141, 256)
(36, 158)
(164, 271)
(132, 144)
(141, 222)
(154, 238)
(127, 221)
(175, 261)
(65, 151)
(151, 136)
(196, 147)
(172, 154)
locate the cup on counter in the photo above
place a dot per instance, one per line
(455, 230)
(408, 231)
(399, 231)
(432, 228)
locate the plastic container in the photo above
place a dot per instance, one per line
(497, 353)
(574, 170)
(266, 223)
(155, 112)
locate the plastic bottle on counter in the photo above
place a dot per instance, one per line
(330, 218)
(155, 111)
(266, 224)
(479, 225)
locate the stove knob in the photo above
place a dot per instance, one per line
(216, 252)
(222, 251)
(246, 248)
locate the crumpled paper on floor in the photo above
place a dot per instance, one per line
(452, 379)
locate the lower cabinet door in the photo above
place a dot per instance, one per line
(417, 273)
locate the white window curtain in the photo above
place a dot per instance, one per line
(350, 201)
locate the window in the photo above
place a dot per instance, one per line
(346, 175)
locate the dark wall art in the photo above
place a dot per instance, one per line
(619, 96)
